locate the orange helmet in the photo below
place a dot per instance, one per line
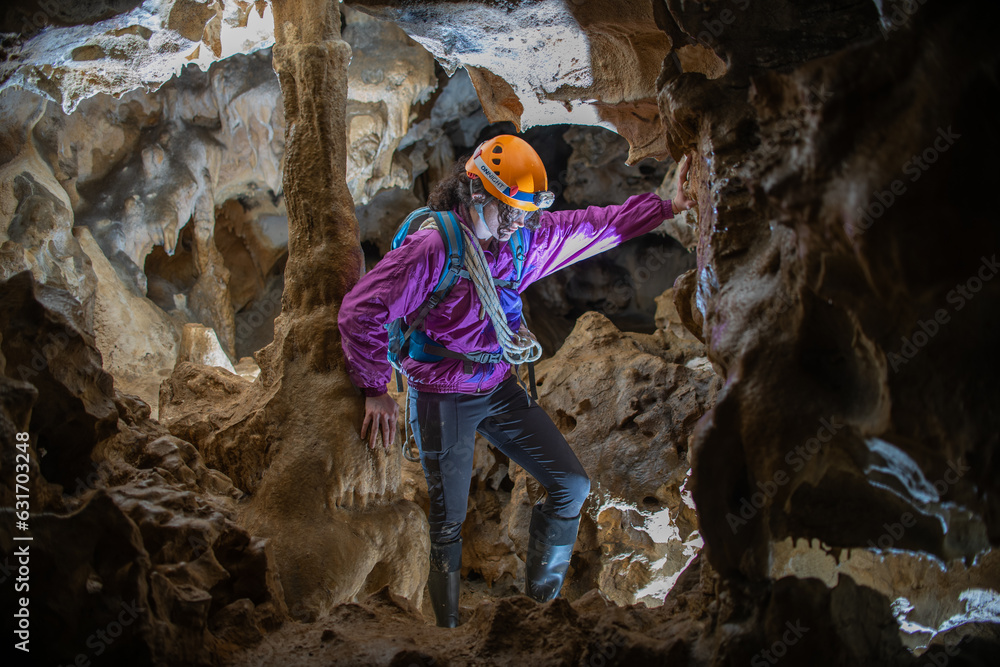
(512, 172)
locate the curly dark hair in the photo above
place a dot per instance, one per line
(457, 190)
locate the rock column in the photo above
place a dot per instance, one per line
(329, 506)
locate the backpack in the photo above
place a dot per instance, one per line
(409, 340)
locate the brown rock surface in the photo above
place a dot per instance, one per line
(933, 604)
(591, 62)
(137, 340)
(809, 623)
(805, 303)
(831, 140)
(631, 430)
(134, 551)
(597, 173)
(329, 506)
(44, 345)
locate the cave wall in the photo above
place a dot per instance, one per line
(133, 536)
(181, 191)
(116, 203)
(830, 140)
(818, 260)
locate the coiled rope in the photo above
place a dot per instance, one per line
(518, 348)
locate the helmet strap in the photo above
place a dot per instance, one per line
(482, 230)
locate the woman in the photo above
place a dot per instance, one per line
(456, 390)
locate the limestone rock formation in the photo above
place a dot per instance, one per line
(933, 605)
(389, 74)
(813, 281)
(44, 344)
(793, 289)
(183, 193)
(290, 440)
(633, 436)
(147, 195)
(851, 330)
(133, 537)
(590, 63)
(200, 345)
(71, 51)
(137, 340)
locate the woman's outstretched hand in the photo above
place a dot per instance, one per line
(381, 413)
(681, 202)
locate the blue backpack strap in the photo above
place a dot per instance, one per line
(400, 340)
(410, 225)
(454, 244)
(519, 242)
(399, 332)
(451, 234)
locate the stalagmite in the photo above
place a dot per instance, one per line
(330, 507)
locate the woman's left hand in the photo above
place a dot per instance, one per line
(681, 202)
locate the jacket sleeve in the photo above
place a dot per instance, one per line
(397, 286)
(566, 237)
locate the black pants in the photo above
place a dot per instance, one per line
(445, 428)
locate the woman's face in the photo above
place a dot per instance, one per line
(502, 230)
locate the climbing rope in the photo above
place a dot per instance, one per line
(518, 348)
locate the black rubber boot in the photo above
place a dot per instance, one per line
(550, 547)
(444, 582)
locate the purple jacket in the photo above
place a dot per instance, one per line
(406, 276)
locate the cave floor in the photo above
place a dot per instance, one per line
(388, 630)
